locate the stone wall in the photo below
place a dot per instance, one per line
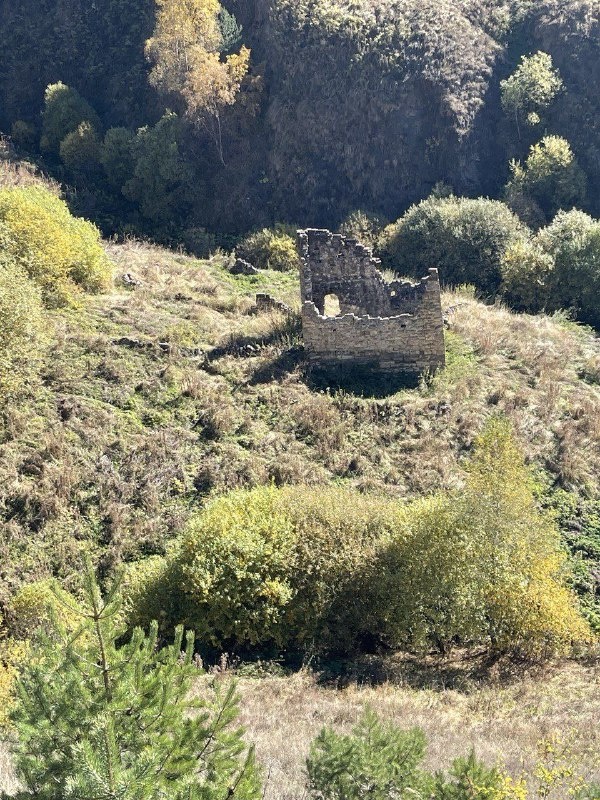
(388, 327)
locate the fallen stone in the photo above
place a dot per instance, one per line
(242, 267)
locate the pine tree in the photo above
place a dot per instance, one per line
(96, 721)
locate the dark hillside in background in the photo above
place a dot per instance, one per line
(363, 105)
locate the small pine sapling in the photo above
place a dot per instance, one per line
(98, 720)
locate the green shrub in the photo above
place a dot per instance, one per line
(162, 179)
(331, 570)
(550, 179)
(381, 761)
(364, 226)
(378, 760)
(465, 239)
(199, 242)
(38, 605)
(81, 150)
(269, 249)
(557, 269)
(22, 329)
(64, 111)
(527, 276)
(572, 240)
(24, 135)
(61, 253)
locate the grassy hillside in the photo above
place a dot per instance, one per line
(154, 397)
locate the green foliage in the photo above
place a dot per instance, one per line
(117, 156)
(80, 151)
(22, 329)
(482, 565)
(161, 179)
(531, 88)
(551, 179)
(270, 565)
(364, 226)
(527, 274)
(198, 241)
(293, 567)
(231, 31)
(41, 604)
(61, 253)
(572, 240)
(466, 239)
(559, 268)
(24, 134)
(269, 249)
(377, 759)
(64, 111)
(97, 720)
(579, 522)
(527, 604)
(470, 779)
(380, 761)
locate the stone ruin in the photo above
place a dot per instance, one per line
(381, 327)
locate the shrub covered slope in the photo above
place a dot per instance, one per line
(151, 399)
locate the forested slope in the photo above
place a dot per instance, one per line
(345, 105)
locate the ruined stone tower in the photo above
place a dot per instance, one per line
(382, 327)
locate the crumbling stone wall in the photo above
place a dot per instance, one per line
(388, 327)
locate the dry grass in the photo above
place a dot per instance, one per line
(8, 783)
(154, 398)
(503, 722)
(502, 719)
(15, 172)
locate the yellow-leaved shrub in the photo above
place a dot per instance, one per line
(38, 604)
(481, 565)
(12, 653)
(35, 606)
(268, 565)
(61, 253)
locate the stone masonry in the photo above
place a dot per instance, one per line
(383, 327)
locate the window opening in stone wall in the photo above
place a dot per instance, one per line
(331, 306)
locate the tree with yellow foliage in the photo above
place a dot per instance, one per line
(185, 53)
(528, 604)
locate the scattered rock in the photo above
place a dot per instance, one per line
(130, 281)
(264, 302)
(132, 344)
(242, 267)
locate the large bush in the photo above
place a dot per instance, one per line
(21, 328)
(64, 111)
(333, 570)
(465, 239)
(559, 268)
(269, 249)
(364, 226)
(550, 180)
(481, 565)
(573, 242)
(59, 252)
(269, 565)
